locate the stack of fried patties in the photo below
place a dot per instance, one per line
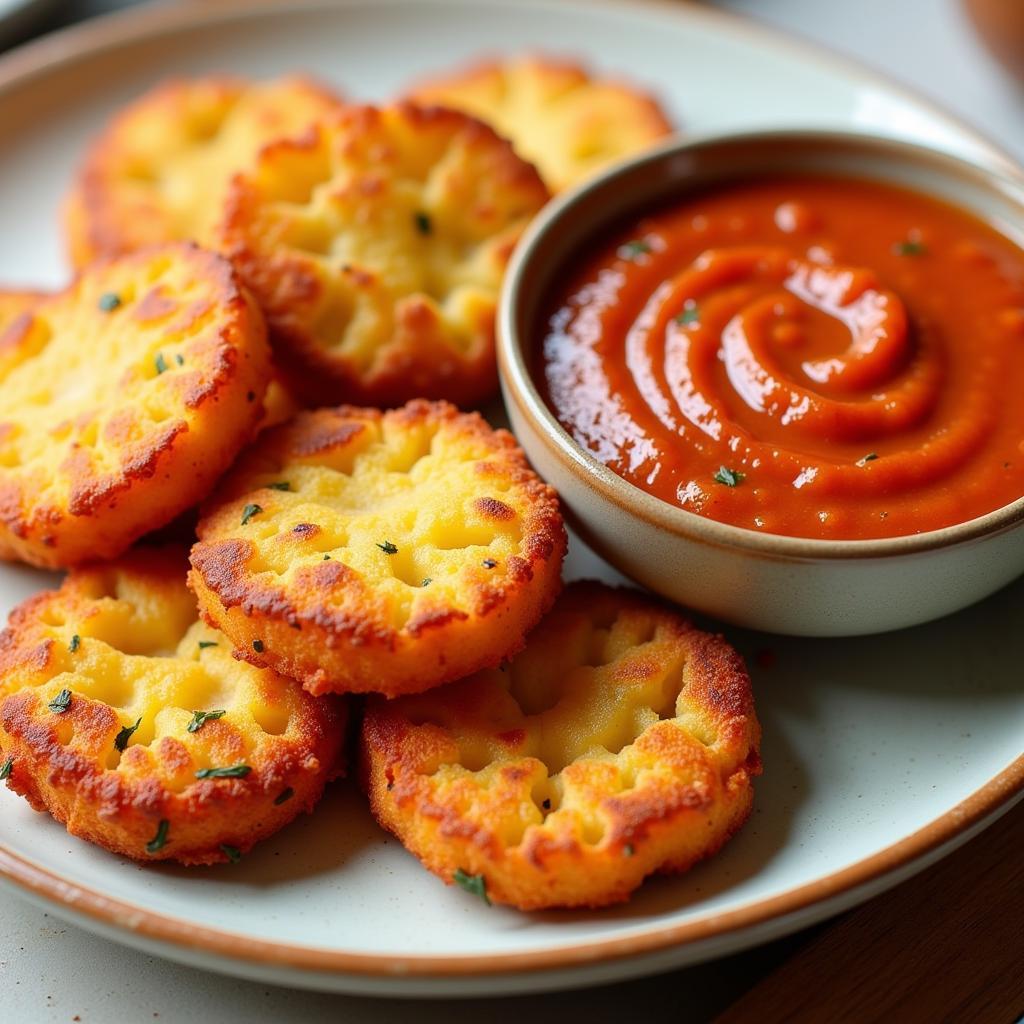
(249, 256)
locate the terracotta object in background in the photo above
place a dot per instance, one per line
(1000, 23)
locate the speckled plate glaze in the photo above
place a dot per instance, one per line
(881, 753)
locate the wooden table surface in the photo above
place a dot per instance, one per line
(947, 946)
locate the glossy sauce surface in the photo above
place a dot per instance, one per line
(809, 356)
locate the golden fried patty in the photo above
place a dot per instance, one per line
(558, 117)
(364, 551)
(132, 724)
(376, 246)
(122, 399)
(620, 742)
(159, 171)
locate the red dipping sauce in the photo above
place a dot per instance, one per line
(810, 356)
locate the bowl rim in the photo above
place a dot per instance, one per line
(518, 386)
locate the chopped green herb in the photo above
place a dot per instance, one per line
(281, 485)
(179, 359)
(159, 841)
(284, 796)
(691, 314)
(235, 771)
(257, 646)
(122, 738)
(475, 884)
(60, 703)
(109, 301)
(249, 511)
(627, 850)
(5, 768)
(488, 563)
(233, 853)
(388, 548)
(870, 457)
(423, 223)
(631, 250)
(729, 477)
(76, 642)
(203, 644)
(326, 558)
(161, 363)
(909, 247)
(427, 580)
(200, 718)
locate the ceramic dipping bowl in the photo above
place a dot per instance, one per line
(768, 582)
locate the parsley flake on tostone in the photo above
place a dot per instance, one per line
(729, 477)
(233, 853)
(489, 563)
(200, 718)
(159, 841)
(388, 548)
(281, 485)
(234, 771)
(284, 796)
(61, 702)
(76, 642)
(161, 363)
(690, 315)
(122, 738)
(257, 646)
(424, 225)
(203, 644)
(474, 884)
(109, 301)
(249, 511)
(5, 768)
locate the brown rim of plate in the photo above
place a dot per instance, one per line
(530, 271)
(996, 795)
(118, 29)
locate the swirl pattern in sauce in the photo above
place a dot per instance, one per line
(811, 356)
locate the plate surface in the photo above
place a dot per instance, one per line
(881, 752)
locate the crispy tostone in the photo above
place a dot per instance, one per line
(132, 724)
(376, 246)
(159, 171)
(558, 117)
(364, 551)
(122, 400)
(621, 742)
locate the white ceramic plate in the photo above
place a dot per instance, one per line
(881, 753)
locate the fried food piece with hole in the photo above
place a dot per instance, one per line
(122, 400)
(621, 742)
(558, 117)
(159, 171)
(388, 552)
(376, 247)
(131, 723)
